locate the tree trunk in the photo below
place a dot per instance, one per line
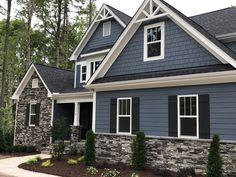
(29, 20)
(4, 64)
(58, 33)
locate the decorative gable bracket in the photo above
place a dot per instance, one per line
(104, 15)
(151, 11)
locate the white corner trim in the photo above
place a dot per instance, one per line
(95, 53)
(25, 81)
(172, 81)
(132, 28)
(94, 112)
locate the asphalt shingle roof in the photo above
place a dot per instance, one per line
(218, 22)
(56, 79)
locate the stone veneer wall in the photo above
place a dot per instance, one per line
(38, 135)
(166, 153)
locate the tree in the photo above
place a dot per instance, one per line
(214, 164)
(5, 58)
(138, 147)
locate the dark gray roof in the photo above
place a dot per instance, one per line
(218, 22)
(99, 49)
(167, 73)
(203, 31)
(75, 90)
(56, 79)
(124, 17)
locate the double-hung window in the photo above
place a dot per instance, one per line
(154, 42)
(124, 115)
(106, 28)
(83, 74)
(188, 124)
(94, 66)
(32, 114)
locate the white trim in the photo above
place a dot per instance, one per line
(106, 25)
(73, 97)
(94, 112)
(132, 28)
(25, 81)
(81, 73)
(95, 53)
(229, 37)
(128, 116)
(152, 18)
(35, 83)
(30, 114)
(75, 78)
(162, 41)
(181, 116)
(172, 81)
(92, 29)
(52, 117)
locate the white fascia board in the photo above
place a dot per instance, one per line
(25, 81)
(132, 27)
(95, 53)
(203, 40)
(117, 18)
(173, 81)
(118, 46)
(229, 37)
(73, 97)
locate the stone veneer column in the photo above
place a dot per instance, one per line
(75, 134)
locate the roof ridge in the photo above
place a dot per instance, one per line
(54, 67)
(118, 10)
(205, 13)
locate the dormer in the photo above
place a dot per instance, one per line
(100, 37)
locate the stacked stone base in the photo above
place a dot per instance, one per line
(166, 153)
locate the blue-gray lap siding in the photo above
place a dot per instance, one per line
(98, 41)
(181, 51)
(154, 108)
(78, 84)
(232, 46)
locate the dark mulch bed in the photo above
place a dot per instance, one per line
(61, 168)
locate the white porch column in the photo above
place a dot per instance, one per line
(77, 114)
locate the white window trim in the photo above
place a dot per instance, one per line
(145, 53)
(35, 83)
(117, 116)
(197, 117)
(81, 74)
(109, 28)
(31, 125)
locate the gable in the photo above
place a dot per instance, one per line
(181, 51)
(99, 42)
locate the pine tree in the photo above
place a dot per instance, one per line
(139, 159)
(89, 155)
(214, 164)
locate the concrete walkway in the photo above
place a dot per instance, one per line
(9, 167)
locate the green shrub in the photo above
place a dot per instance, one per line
(135, 175)
(186, 172)
(92, 170)
(38, 158)
(89, 155)
(24, 148)
(215, 163)
(72, 162)
(110, 173)
(58, 150)
(60, 130)
(30, 149)
(162, 172)
(138, 147)
(47, 164)
(34, 160)
(73, 150)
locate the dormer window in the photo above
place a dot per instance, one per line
(154, 42)
(83, 74)
(35, 83)
(106, 29)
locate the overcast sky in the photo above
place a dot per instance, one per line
(188, 7)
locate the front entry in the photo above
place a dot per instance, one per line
(86, 111)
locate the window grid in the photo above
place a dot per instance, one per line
(83, 73)
(32, 114)
(124, 113)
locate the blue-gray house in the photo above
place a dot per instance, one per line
(171, 76)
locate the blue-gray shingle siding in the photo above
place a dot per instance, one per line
(232, 46)
(98, 41)
(154, 108)
(181, 51)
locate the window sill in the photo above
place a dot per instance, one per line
(154, 58)
(189, 137)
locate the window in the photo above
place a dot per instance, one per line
(94, 66)
(32, 114)
(188, 116)
(106, 29)
(124, 119)
(83, 74)
(154, 42)
(35, 83)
